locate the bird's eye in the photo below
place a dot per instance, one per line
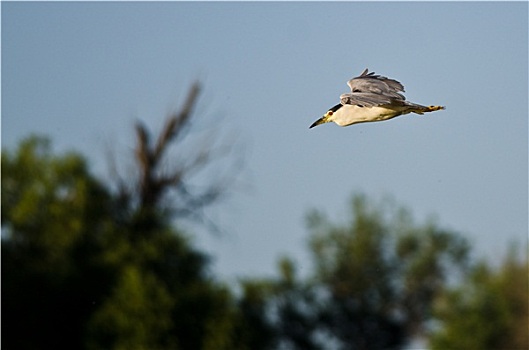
(330, 113)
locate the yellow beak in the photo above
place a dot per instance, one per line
(322, 120)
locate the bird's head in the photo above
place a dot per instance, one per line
(327, 117)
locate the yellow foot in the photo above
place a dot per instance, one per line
(435, 108)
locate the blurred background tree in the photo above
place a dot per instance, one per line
(374, 281)
(87, 267)
(488, 311)
(90, 265)
(54, 218)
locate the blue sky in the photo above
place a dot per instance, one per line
(81, 73)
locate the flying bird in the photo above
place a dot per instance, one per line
(372, 98)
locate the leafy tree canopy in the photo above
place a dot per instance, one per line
(489, 311)
(374, 280)
(87, 267)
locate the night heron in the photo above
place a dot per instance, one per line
(372, 98)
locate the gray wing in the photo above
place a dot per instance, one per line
(371, 90)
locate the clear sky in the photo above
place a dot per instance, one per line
(81, 73)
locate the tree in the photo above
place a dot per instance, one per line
(52, 219)
(84, 266)
(162, 257)
(163, 187)
(374, 281)
(489, 311)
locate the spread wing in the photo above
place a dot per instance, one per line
(371, 90)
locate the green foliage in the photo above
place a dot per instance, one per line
(52, 218)
(137, 314)
(44, 196)
(254, 330)
(490, 311)
(374, 280)
(382, 273)
(82, 269)
(86, 268)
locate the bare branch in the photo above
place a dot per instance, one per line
(176, 122)
(142, 149)
(154, 184)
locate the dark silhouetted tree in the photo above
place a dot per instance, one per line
(163, 183)
(84, 266)
(54, 216)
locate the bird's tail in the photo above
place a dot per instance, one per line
(418, 109)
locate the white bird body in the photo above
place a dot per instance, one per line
(372, 98)
(353, 114)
